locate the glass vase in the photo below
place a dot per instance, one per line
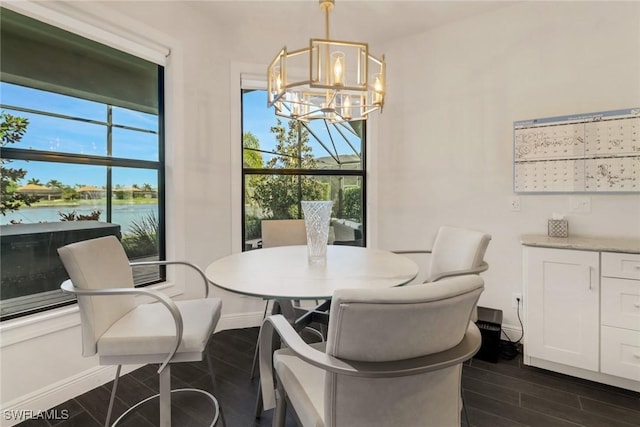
(317, 215)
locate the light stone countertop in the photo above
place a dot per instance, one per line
(599, 244)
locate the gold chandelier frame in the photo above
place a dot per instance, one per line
(334, 80)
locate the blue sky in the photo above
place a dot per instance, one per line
(258, 119)
(70, 136)
(62, 135)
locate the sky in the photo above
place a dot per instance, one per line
(73, 136)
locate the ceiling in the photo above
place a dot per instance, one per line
(371, 21)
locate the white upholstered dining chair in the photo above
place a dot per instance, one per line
(275, 233)
(456, 251)
(121, 331)
(393, 357)
(283, 232)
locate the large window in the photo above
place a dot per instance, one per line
(287, 161)
(81, 157)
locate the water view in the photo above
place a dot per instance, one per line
(124, 215)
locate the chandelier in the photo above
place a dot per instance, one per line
(334, 80)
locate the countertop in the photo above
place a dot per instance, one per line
(585, 243)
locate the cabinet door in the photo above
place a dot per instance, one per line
(562, 306)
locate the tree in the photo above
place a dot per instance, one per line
(250, 157)
(12, 129)
(353, 204)
(280, 195)
(54, 183)
(34, 181)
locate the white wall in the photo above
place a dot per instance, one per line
(446, 132)
(40, 355)
(445, 139)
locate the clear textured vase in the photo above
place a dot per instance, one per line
(317, 215)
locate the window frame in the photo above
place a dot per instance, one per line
(361, 173)
(109, 162)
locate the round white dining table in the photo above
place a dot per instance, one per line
(283, 272)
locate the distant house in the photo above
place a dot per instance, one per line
(41, 192)
(91, 192)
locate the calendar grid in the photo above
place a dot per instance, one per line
(595, 152)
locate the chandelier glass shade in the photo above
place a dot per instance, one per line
(334, 80)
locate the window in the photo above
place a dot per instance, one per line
(82, 157)
(287, 161)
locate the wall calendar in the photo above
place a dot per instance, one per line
(590, 153)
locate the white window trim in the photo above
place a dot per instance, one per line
(94, 26)
(238, 70)
(96, 22)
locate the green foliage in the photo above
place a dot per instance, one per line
(279, 195)
(250, 157)
(12, 129)
(72, 216)
(142, 237)
(353, 204)
(252, 228)
(69, 193)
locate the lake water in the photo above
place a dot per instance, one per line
(121, 214)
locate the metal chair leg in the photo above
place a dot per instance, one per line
(464, 408)
(215, 387)
(280, 412)
(165, 397)
(113, 396)
(254, 365)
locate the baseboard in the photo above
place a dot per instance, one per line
(511, 333)
(37, 402)
(239, 321)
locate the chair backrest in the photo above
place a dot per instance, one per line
(283, 232)
(395, 324)
(457, 249)
(97, 264)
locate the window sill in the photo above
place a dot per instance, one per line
(26, 328)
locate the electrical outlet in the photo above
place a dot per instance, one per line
(514, 204)
(516, 299)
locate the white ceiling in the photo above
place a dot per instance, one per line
(371, 21)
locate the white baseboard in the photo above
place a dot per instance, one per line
(20, 409)
(48, 397)
(239, 321)
(513, 332)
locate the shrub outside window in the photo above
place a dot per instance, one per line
(287, 161)
(80, 158)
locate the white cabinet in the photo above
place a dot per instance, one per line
(562, 306)
(620, 310)
(582, 308)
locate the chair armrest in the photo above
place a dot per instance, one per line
(188, 264)
(469, 346)
(412, 251)
(476, 270)
(67, 286)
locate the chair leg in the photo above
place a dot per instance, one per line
(464, 408)
(113, 396)
(280, 412)
(254, 365)
(165, 397)
(215, 388)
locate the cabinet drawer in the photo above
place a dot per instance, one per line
(620, 303)
(620, 353)
(624, 266)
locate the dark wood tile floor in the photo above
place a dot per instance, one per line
(506, 393)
